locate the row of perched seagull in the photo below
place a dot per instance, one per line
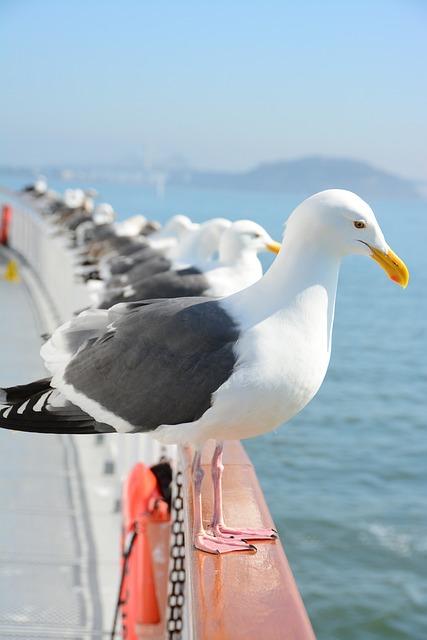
(138, 259)
(214, 258)
(226, 363)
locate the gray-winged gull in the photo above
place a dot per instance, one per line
(190, 369)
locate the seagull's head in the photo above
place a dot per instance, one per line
(178, 225)
(246, 236)
(209, 235)
(103, 213)
(346, 224)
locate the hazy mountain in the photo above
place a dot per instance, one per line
(301, 177)
(305, 176)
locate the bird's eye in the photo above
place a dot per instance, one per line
(359, 224)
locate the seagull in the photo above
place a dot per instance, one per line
(237, 267)
(102, 215)
(172, 231)
(38, 188)
(190, 246)
(188, 370)
(113, 248)
(74, 203)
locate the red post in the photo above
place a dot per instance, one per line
(6, 219)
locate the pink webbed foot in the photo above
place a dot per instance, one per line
(245, 534)
(217, 545)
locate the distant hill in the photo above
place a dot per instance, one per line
(305, 176)
(301, 177)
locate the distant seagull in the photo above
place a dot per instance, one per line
(37, 189)
(74, 203)
(192, 369)
(114, 245)
(192, 247)
(103, 214)
(178, 233)
(195, 246)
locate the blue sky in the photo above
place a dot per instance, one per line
(225, 84)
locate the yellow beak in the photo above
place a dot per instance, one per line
(274, 246)
(392, 265)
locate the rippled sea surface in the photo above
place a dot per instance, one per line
(346, 479)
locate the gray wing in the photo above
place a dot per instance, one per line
(148, 267)
(125, 264)
(169, 284)
(160, 362)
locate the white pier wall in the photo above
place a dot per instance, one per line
(52, 261)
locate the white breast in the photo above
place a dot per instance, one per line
(281, 363)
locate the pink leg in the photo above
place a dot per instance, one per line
(203, 541)
(218, 527)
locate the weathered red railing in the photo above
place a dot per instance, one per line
(241, 595)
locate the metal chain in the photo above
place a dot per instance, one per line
(126, 554)
(177, 570)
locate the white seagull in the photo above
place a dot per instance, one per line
(193, 369)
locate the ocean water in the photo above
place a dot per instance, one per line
(346, 479)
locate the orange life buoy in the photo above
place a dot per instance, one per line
(142, 596)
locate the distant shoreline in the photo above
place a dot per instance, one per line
(302, 177)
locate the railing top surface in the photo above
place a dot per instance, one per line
(242, 595)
